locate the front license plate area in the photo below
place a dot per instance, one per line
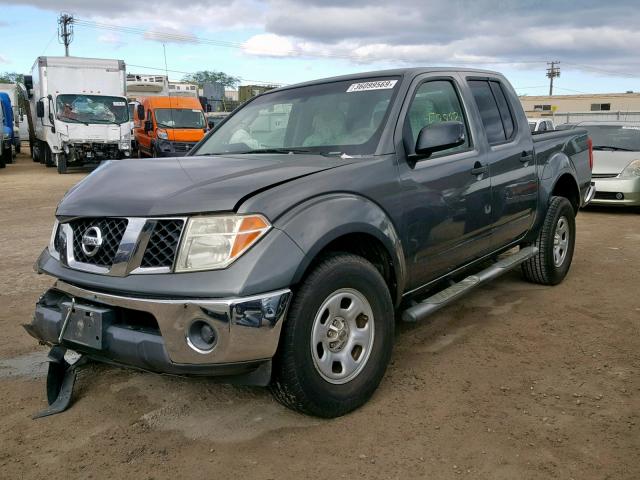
(86, 324)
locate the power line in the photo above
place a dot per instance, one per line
(183, 72)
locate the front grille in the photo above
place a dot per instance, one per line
(604, 175)
(182, 146)
(112, 230)
(163, 244)
(608, 196)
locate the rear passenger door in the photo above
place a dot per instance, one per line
(514, 184)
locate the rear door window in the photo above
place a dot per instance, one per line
(489, 112)
(505, 112)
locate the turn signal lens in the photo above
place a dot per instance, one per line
(217, 241)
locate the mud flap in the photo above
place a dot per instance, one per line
(61, 377)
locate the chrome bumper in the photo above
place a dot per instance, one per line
(588, 196)
(247, 329)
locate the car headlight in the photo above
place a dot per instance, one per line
(631, 170)
(6, 136)
(162, 134)
(125, 144)
(215, 242)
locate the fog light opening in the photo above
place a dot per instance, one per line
(619, 196)
(201, 336)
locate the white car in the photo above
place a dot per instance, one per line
(540, 125)
(616, 161)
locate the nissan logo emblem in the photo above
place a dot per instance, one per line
(91, 241)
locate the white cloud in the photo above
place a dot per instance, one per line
(112, 39)
(3, 59)
(269, 44)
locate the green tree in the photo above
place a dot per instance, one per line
(210, 76)
(11, 77)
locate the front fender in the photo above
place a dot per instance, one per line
(317, 222)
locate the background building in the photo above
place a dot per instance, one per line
(584, 107)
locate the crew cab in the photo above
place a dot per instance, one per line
(280, 249)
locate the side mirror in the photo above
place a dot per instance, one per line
(439, 136)
(40, 109)
(140, 109)
(211, 124)
(148, 126)
(28, 84)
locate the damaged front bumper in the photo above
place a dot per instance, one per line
(165, 335)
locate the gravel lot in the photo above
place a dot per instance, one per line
(516, 381)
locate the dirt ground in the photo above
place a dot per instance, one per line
(516, 381)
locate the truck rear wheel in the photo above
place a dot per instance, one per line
(18, 147)
(3, 163)
(5, 156)
(337, 338)
(555, 243)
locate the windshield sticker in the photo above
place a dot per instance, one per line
(119, 104)
(195, 110)
(630, 128)
(366, 86)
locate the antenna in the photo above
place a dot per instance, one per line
(166, 72)
(65, 31)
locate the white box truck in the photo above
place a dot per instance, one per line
(79, 110)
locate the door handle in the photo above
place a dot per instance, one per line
(479, 169)
(525, 157)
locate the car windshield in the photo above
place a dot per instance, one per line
(179, 118)
(91, 109)
(616, 137)
(532, 126)
(333, 118)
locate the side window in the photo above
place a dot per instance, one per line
(434, 102)
(543, 127)
(488, 111)
(505, 112)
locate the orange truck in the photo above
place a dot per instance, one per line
(168, 126)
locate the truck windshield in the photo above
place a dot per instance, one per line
(614, 137)
(91, 109)
(333, 118)
(179, 118)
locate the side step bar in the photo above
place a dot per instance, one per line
(444, 297)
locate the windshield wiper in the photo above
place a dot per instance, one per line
(611, 147)
(272, 150)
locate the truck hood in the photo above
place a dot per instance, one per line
(177, 186)
(185, 134)
(612, 162)
(100, 133)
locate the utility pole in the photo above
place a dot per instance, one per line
(65, 31)
(552, 72)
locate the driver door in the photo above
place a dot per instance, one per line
(447, 196)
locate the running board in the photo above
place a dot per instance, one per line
(444, 297)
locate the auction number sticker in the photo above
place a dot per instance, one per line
(366, 86)
(630, 128)
(119, 104)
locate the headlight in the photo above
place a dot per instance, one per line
(217, 241)
(631, 170)
(125, 144)
(162, 134)
(6, 136)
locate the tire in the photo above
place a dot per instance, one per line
(18, 148)
(299, 382)
(61, 163)
(551, 264)
(5, 157)
(3, 163)
(47, 156)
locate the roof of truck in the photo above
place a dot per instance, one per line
(171, 102)
(396, 72)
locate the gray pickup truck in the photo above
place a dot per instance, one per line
(281, 250)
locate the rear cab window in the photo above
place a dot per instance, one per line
(495, 112)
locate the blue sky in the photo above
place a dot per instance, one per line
(287, 41)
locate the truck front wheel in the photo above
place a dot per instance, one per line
(555, 243)
(337, 338)
(61, 163)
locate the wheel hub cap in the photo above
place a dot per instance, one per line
(342, 336)
(561, 241)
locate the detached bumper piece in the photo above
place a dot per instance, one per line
(61, 377)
